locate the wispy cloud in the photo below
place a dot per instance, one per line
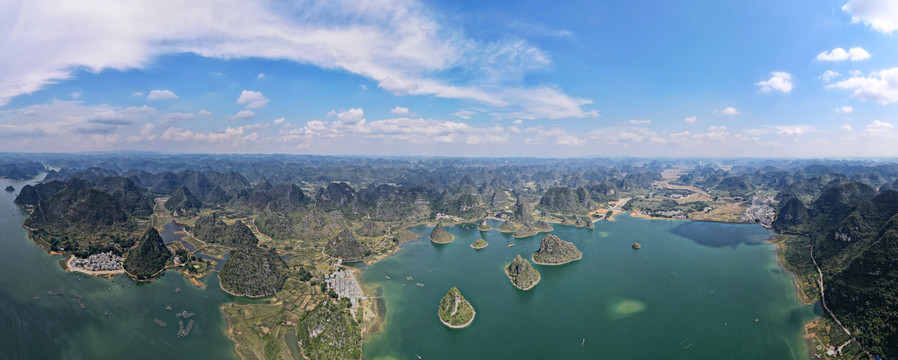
(399, 45)
(161, 95)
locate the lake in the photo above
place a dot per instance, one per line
(118, 319)
(694, 290)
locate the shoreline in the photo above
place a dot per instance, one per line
(101, 273)
(538, 278)
(550, 264)
(462, 326)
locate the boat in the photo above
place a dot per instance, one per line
(636, 245)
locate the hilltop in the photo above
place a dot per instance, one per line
(554, 251)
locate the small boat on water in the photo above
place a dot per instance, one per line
(636, 245)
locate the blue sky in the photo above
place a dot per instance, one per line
(461, 78)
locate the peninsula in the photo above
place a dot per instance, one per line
(522, 274)
(554, 251)
(456, 312)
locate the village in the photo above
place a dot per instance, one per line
(107, 262)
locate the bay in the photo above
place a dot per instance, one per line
(118, 320)
(693, 291)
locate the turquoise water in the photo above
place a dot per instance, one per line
(118, 321)
(693, 291)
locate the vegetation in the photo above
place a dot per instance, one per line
(329, 332)
(522, 274)
(554, 251)
(254, 272)
(565, 200)
(440, 235)
(346, 247)
(483, 226)
(455, 311)
(479, 244)
(212, 229)
(148, 259)
(20, 170)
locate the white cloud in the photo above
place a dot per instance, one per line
(399, 110)
(881, 15)
(727, 111)
(400, 45)
(161, 95)
(230, 136)
(137, 94)
(146, 134)
(845, 109)
(243, 115)
(779, 81)
(845, 127)
(518, 122)
(171, 118)
(691, 119)
(464, 114)
(640, 122)
(829, 75)
(252, 99)
(261, 75)
(556, 136)
(793, 130)
(349, 117)
(76, 94)
(878, 129)
(881, 87)
(839, 54)
(278, 121)
(204, 113)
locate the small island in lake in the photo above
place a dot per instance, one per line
(554, 251)
(10, 189)
(456, 312)
(440, 235)
(484, 226)
(636, 245)
(479, 244)
(522, 274)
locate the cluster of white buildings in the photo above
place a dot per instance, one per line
(107, 261)
(345, 285)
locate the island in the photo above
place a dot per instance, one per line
(636, 245)
(554, 251)
(440, 235)
(10, 189)
(522, 274)
(483, 226)
(479, 244)
(456, 312)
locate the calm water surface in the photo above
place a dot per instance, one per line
(694, 291)
(118, 321)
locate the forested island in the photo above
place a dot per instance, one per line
(554, 251)
(311, 211)
(522, 274)
(456, 312)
